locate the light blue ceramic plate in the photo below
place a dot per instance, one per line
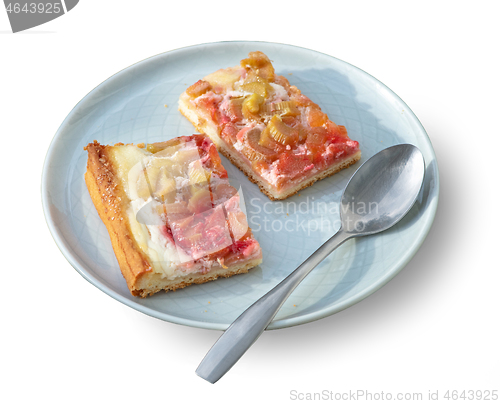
(139, 104)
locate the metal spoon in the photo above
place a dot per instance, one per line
(377, 196)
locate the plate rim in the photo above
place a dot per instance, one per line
(275, 324)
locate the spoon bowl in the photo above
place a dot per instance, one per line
(382, 190)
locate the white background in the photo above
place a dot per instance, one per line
(434, 327)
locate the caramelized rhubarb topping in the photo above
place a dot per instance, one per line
(198, 88)
(316, 117)
(200, 201)
(224, 79)
(165, 186)
(251, 106)
(159, 146)
(283, 108)
(259, 86)
(280, 132)
(197, 174)
(260, 63)
(177, 208)
(238, 224)
(253, 150)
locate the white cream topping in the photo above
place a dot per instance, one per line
(280, 93)
(145, 223)
(162, 253)
(236, 94)
(238, 145)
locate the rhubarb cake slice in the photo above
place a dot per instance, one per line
(172, 216)
(271, 131)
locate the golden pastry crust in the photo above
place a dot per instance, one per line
(155, 284)
(110, 201)
(292, 191)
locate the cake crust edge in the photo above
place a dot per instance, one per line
(110, 200)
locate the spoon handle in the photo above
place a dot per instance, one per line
(245, 330)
